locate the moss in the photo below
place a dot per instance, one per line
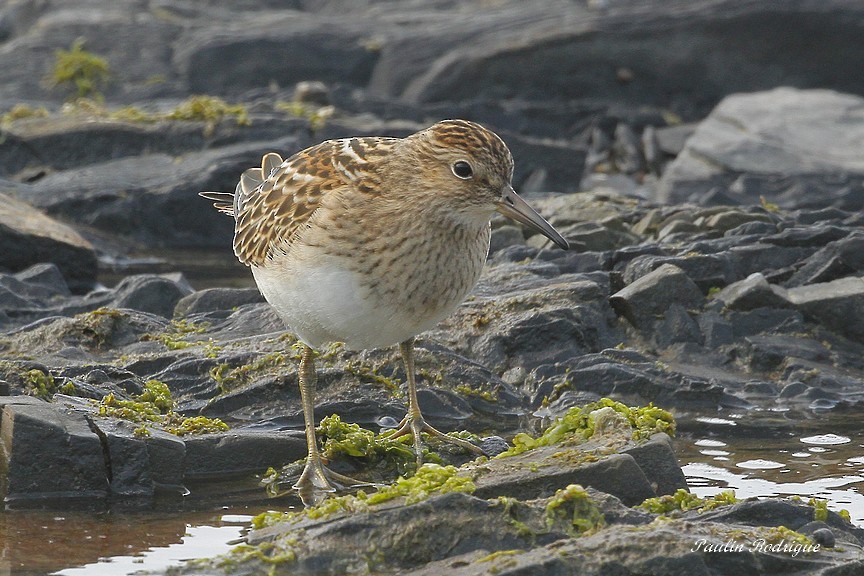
(487, 395)
(231, 378)
(175, 337)
(209, 109)
(280, 551)
(574, 508)
(156, 406)
(317, 116)
(388, 456)
(40, 384)
(97, 326)
(577, 424)
(366, 372)
(21, 112)
(180, 426)
(820, 509)
(85, 71)
(782, 534)
(683, 500)
(430, 479)
(768, 206)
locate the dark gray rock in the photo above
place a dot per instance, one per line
(839, 305)
(677, 326)
(49, 452)
(705, 270)
(141, 465)
(215, 300)
(240, 451)
(644, 300)
(843, 257)
(753, 292)
(28, 237)
(154, 198)
(46, 275)
(152, 294)
(504, 236)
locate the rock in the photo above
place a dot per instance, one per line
(839, 305)
(47, 276)
(751, 134)
(753, 292)
(29, 237)
(240, 451)
(216, 299)
(215, 59)
(141, 465)
(153, 198)
(648, 297)
(151, 294)
(677, 326)
(843, 257)
(504, 236)
(49, 452)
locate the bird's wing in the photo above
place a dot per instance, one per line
(272, 202)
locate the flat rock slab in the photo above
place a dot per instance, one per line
(48, 452)
(752, 134)
(839, 304)
(29, 237)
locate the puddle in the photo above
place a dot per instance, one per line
(776, 454)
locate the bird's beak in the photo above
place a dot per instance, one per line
(512, 206)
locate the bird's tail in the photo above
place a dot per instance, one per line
(230, 203)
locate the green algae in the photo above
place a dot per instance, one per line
(229, 378)
(22, 112)
(39, 384)
(683, 500)
(430, 480)
(76, 67)
(577, 424)
(156, 406)
(573, 508)
(175, 337)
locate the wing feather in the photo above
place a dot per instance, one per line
(274, 201)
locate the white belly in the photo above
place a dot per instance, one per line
(326, 303)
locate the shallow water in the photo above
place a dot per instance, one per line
(776, 453)
(756, 454)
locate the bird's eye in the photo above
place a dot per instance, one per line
(462, 170)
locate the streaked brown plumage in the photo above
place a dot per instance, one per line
(371, 241)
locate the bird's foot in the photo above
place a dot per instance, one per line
(317, 482)
(415, 425)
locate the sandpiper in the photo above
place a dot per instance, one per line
(371, 241)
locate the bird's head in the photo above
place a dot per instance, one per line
(473, 168)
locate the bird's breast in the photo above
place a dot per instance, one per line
(376, 292)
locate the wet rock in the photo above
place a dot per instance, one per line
(240, 451)
(141, 464)
(49, 452)
(644, 300)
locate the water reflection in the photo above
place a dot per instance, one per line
(776, 456)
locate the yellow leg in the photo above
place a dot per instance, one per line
(315, 480)
(413, 423)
